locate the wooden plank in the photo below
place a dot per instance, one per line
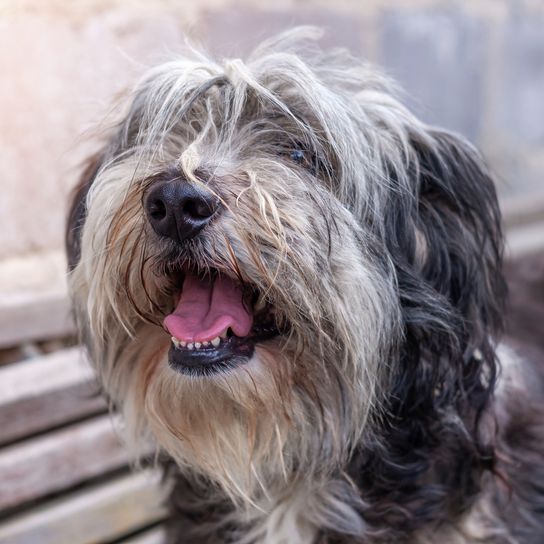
(156, 535)
(522, 210)
(40, 393)
(101, 513)
(58, 460)
(34, 316)
(524, 240)
(33, 298)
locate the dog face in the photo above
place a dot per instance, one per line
(265, 254)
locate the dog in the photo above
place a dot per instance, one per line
(292, 289)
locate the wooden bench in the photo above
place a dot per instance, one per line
(64, 474)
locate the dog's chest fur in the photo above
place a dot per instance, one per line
(506, 509)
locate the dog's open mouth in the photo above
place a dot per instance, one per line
(216, 324)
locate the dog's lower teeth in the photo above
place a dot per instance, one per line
(196, 345)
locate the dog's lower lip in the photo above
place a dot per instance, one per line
(230, 354)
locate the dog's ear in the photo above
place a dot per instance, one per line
(78, 208)
(446, 243)
(443, 234)
(460, 224)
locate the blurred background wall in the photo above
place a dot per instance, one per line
(476, 67)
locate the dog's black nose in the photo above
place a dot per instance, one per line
(178, 209)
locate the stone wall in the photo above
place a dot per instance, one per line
(474, 66)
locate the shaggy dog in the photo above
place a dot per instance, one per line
(292, 287)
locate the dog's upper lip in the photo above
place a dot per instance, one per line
(208, 307)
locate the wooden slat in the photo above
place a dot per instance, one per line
(58, 460)
(92, 515)
(152, 536)
(44, 392)
(524, 240)
(34, 316)
(522, 210)
(33, 298)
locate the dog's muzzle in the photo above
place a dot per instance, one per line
(216, 321)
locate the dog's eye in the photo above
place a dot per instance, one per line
(297, 155)
(305, 159)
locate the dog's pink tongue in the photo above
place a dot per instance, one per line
(207, 308)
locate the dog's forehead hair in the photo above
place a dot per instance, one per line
(336, 108)
(219, 114)
(279, 95)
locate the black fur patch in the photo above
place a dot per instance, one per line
(426, 466)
